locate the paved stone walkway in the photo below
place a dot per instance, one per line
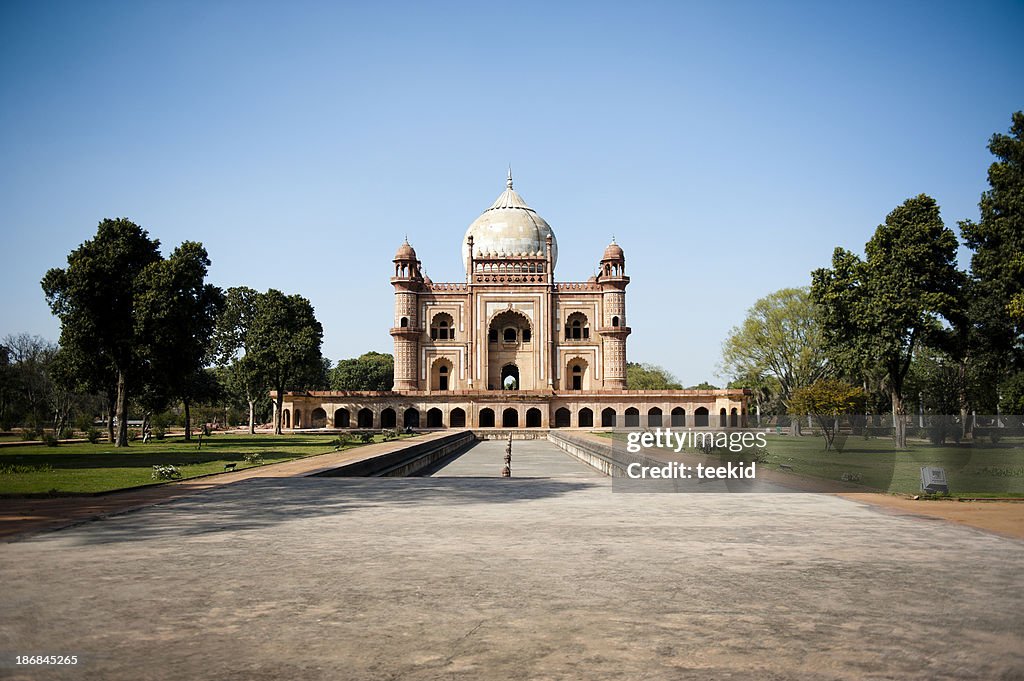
(530, 459)
(528, 578)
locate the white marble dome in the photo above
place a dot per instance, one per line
(509, 229)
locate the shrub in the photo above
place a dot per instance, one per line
(995, 435)
(133, 434)
(30, 433)
(159, 433)
(66, 434)
(166, 472)
(366, 437)
(50, 440)
(757, 455)
(256, 459)
(92, 435)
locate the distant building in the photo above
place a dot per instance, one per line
(510, 347)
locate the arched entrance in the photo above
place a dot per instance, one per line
(700, 417)
(364, 419)
(341, 418)
(585, 419)
(286, 419)
(653, 417)
(411, 418)
(563, 418)
(510, 418)
(486, 419)
(457, 419)
(388, 418)
(435, 419)
(632, 417)
(608, 417)
(318, 418)
(533, 417)
(678, 416)
(510, 377)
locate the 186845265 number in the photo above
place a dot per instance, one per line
(45, 659)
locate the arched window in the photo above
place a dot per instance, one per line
(722, 420)
(510, 334)
(286, 419)
(404, 323)
(654, 417)
(486, 419)
(577, 377)
(533, 418)
(615, 321)
(678, 416)
(442, 327)
(457, 419)
(298, 418)
(563, 418)
(364, 419)
(608, 418)
(734, 418)
(585, 419)
(441, 374)
(510, 418)
(527, 335)
(700, 417)
(577, 327)
(341, 418)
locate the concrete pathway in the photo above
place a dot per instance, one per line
(529, 578)
(530, 459)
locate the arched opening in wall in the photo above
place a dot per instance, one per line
(510, 334)
(364, 418)
(577, 327)
(404, 322)
(286, 419)
(435, 419)
(632, 417)
(298, 418)
(576, 370)
(722, 419)
(411, 418)
(342, 419)
(441, 374)
(608, 417)
(700, 417)
(492, 336)
(511, 326)
(510, 418)
(318, 418)
(457, 419)
(654, 417)
(533, 417)
(510, 377)
(388, 419)
(678, 416)
(734, 418)
(486, 419)
(585, 419)
(563, 418)
(615, 321)
(442, 327)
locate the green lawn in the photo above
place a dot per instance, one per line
(979, 470)
(88, 468)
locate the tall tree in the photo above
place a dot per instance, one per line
(283, 341)
(176, 314)
(645, 376)
(996, 304)
(242, 377)
(906, 289)
(95, 297)
(369, 371)
(781, 338)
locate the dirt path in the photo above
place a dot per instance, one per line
(1001, 517)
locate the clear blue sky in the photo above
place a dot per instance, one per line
(729, 147)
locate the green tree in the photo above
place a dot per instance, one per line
(369, 371)
(243, 378)
(996, 303)
(283, 342)
(176, 314)
(878, 310)
(703, 385)
(650, 377)
(827, 399)
(781, 338)
(95, 297)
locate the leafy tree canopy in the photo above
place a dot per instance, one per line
(649, 377)
(369, 371)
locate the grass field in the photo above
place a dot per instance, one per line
(88, 468)
(972, 470)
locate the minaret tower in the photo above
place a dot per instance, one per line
(408, 281)
(613, 281)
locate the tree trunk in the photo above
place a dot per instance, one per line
(279, 400)
(122, 411)
(899, 421)
(252, 417)
(794, 425)
(188, 421)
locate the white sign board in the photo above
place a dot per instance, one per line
(933, 480)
